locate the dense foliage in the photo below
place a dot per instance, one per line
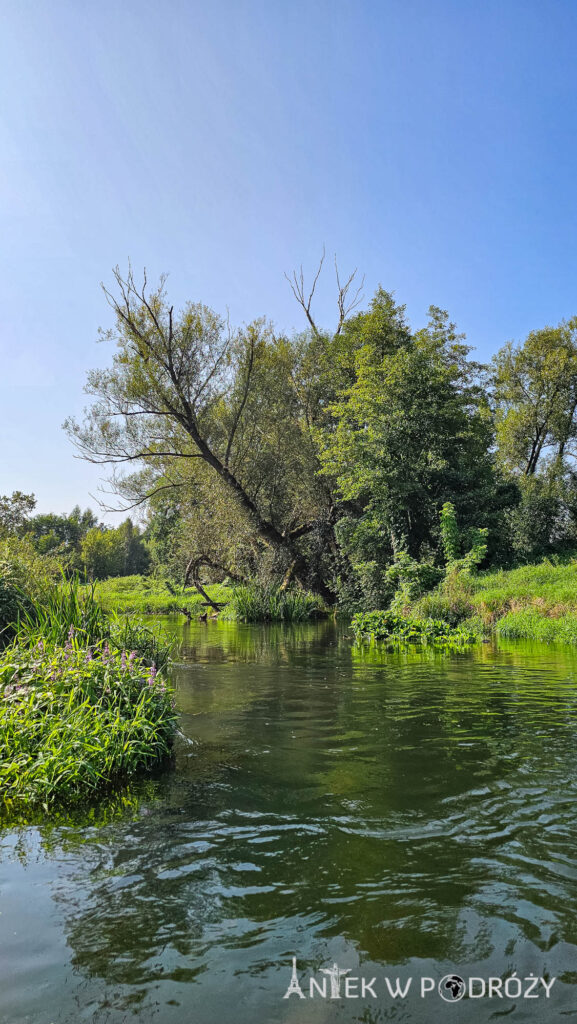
(325, 458)
(76, 541)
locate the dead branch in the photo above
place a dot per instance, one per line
(347, 305)
(297, 284)
(347, 301)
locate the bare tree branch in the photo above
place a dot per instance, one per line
(243, 401)
(297, 285)
(347, 305)
(346, 302)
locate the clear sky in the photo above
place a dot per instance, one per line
(431, 143)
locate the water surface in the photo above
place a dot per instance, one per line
(403, 815)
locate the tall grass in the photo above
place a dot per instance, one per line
(82, 704)
(24, 576)
(74, 720)
(530, 624)
(62, 609)
(271, 604)
(72, 607)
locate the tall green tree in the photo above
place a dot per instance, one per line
(413, 431)
(119, 551)
(535, 391)
(60, 533)
(15, 511)
(535, 395)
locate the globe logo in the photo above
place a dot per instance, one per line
(451, 988)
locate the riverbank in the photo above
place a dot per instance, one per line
(245, 603)
(530, 602)
(145, 595)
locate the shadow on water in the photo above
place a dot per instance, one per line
(406, 814)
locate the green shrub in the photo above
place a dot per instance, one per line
(410, 579)
(24, 577)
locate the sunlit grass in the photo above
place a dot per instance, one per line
(82, 703)
(532, 602)
(530, 624)
(75, 719)
(148, 596)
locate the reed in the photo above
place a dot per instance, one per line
(72, 606)
(254, 603)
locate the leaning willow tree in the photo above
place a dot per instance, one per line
(315, 458)
(221, 424)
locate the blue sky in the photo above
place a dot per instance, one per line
(430, 143)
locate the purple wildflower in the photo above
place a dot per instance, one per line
(131, 658)
(152, 675)
(123, 661)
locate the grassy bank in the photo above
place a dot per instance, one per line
(532, 602)
(248, 603)
(147, 596)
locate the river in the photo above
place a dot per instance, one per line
(403, 816)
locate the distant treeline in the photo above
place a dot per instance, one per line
(77, 541)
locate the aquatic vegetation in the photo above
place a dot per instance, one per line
(256, 603)
(387, 628)
(83, 703)
(75, 719)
